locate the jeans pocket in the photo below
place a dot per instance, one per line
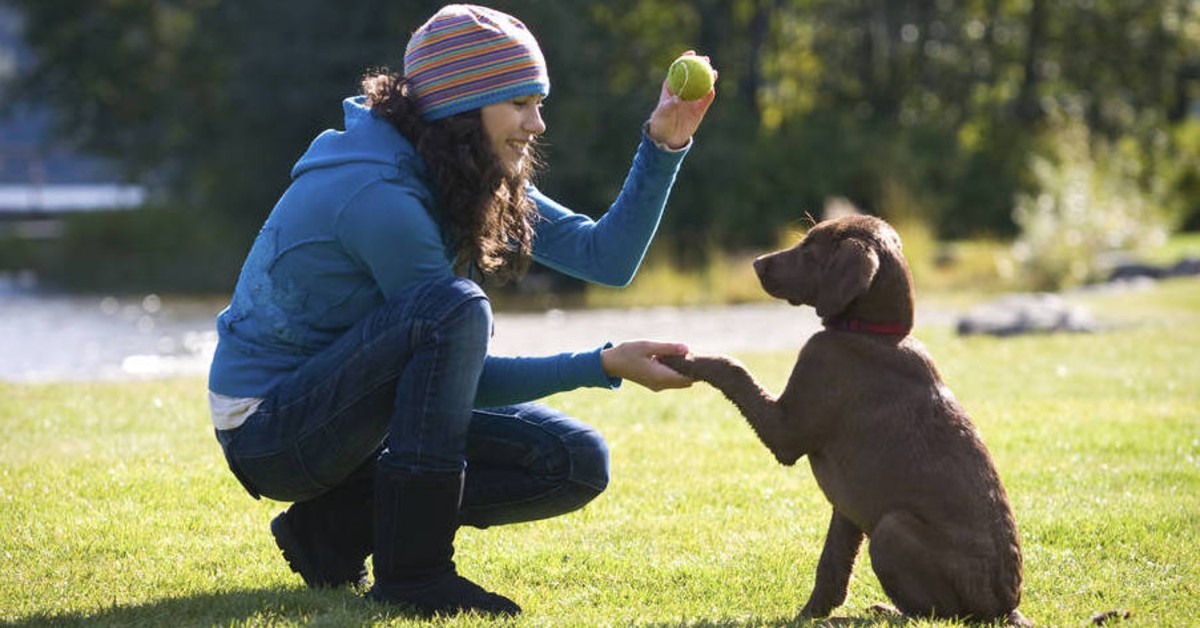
(280, 476)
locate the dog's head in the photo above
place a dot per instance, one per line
(848, 267)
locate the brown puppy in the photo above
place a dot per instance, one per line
(889, 445)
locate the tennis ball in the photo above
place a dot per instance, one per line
(690, 77)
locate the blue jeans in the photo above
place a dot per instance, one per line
(397, 389)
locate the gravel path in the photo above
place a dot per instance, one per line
(716, 329)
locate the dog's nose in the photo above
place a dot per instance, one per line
(760, 264)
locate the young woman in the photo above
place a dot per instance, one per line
(352, 375)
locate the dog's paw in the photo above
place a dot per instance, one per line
(1099, 619)
(813, 610)
(710, 368)
(682, 364)
(884, 610)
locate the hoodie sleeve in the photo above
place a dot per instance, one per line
(609, 250)
(389, 231)
(509, 380)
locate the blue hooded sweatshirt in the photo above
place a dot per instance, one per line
(357, 227)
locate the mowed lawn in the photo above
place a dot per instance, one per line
(116, 508)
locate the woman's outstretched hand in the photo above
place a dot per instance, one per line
(675, 120)
(635, 361)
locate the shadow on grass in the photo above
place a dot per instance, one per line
(264, 606)
(336, 607)
(867, 619)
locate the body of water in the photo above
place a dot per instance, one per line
(46, 337)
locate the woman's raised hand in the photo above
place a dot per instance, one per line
(675, 120)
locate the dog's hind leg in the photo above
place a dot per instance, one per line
(928, 572)
(911, 565)
(842, 542)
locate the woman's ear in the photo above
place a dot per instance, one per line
(847, 275)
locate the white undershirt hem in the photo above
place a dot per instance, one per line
(230, 412)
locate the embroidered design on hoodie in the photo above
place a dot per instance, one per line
(274, 301)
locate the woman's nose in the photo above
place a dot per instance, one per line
(534, 123)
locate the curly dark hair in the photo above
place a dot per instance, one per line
(484, 209)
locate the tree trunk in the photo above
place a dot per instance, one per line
(1028, 109)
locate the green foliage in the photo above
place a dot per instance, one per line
(153, 249)
(1089, 207)
(117, 509)
(215, 99)
(1176, 168)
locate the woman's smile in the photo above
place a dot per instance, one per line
(512, 126)
(520, 147)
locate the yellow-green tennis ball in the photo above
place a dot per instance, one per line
(690, 77)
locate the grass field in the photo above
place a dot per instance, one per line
(116, 508)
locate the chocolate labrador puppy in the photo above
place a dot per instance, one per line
(889, 445)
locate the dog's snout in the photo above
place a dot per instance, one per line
(762, 268)
(761, 263)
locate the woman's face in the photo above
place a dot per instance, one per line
(511, 127)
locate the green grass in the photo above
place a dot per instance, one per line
(951, 274)
(116, 508)
(1178, 246)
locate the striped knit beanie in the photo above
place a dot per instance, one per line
(468, 56)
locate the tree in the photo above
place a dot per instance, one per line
(215, 99)
(212, 100)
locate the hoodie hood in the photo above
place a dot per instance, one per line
(368, 139)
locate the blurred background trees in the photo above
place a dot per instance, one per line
(950, 114)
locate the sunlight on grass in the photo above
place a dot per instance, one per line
(948, 274)
(116, 508)
(725, 278)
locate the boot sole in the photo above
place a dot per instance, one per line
(434, 597)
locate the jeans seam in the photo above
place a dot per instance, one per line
(391, 374)
(563, 483)
(430, 383)
(527, 500)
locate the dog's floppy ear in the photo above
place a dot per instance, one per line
(847, 275)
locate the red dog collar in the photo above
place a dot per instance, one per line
(853, 324)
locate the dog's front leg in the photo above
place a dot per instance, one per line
(842, 542)
(761, 409)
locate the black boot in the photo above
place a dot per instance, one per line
(327, 539)
(416, 518)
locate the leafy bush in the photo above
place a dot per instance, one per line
(1178, 167)
(1088, 210)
